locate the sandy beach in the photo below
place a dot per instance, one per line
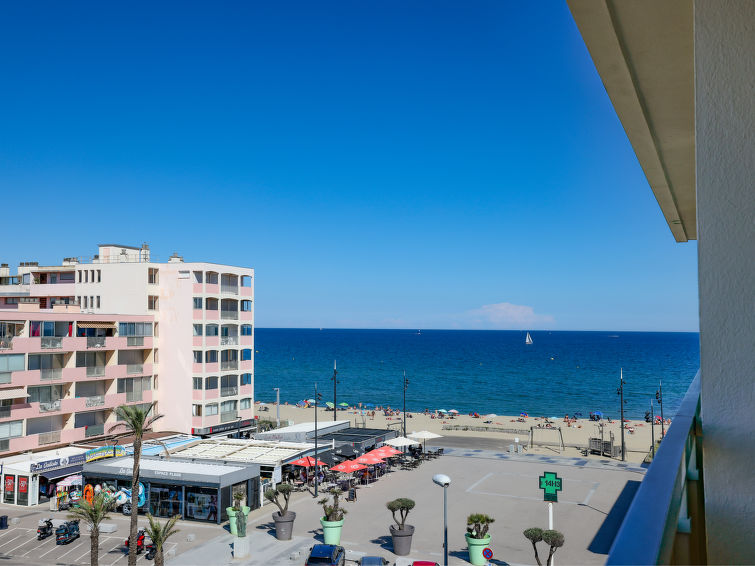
(575, 434)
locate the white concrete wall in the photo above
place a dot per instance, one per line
(123, 287)
(725, 164)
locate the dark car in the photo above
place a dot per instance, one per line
(372, 561)
(328, 554)
(424, 563)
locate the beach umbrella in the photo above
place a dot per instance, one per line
(390, 450)
(370, 459)
(349, 466)
(491, 416)
(308, 462)
(75, 479)
(424, 435)
(441, 411)
(343, 404)
(329, 405)
(454, 411)
(310, 401)
(401, 441)
(368, 405)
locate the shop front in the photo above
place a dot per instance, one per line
(195, 491)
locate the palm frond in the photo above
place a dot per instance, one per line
(161, 532)
(95, 512)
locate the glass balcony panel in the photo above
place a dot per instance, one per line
(52, 342)
(95, 341)
(228, 417)
(94, 430)
(50, 373)
(49, 437)
(95, 371)
(49, 407)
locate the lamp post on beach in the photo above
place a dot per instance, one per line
(444, 481)
(620, 392)
(277, 406)
(652, 427)
(659, 397)
(317, 399)
(406, 384)
(335, 386)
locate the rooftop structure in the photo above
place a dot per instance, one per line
(264, 453)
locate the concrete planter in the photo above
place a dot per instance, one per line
(331, 531)
(476, 546)
(402, 539)
(284, 525)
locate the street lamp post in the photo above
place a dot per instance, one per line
(444, 481)
(659, 397)
(620, 392)
(277, 406)
(652, 427)
(335, 387)
(317, 399)
(406, 384)
(238, 430)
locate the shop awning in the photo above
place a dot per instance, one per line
(13, 393)
(95, 324)
(61, 472)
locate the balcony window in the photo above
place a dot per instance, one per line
(212, 278)
(211, 383)
(246, 281)
(135, 329)
(153, 303)
(211, 304)
(198, 330)
(246, 306)
(11, 362)
(211, 409)
(45, 394)
(245, 404)
(197, 303)
(197, 383)
(48, 361)
(228, 406)
(67, 277)
(197, 356)
(211, 330)
(211, 356)
(246, 329)
(246, 354)
(246, 379)
(197, 275)
(12, 429)
(153, 277)
(49, 328)
(196, 410)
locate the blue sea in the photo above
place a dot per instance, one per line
(482, 371)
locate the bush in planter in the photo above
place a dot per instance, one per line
(332, 520)
(477, 536)
(235, 511)
(554, 539)
(283, 518)
(401, 533)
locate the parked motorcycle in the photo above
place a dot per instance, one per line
(139, 541)
(67, 532)
(45, 530)
(151, 550)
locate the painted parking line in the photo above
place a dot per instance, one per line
(590, 493)
(478, 482)
(25, 542)
(11, 540)
(76, 544)
(54, 547)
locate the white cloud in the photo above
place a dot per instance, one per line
(508, 316)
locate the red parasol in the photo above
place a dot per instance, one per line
(387, 450)
(370, 459)
(308, 462)
(348, 466)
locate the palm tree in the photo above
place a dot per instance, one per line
(93, 514)
(135, 420)
(160, 533)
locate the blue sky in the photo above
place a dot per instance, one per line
(385, 165)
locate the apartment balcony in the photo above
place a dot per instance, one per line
(229, 391)
(210, 341)
(51, 407)
(665, 523)
(210, 394)
(134, 396)
(212, 314)
(246, 291)
(247, 315)
(134, 369)
(94, 342)
(229, 365)
(211, 367)
(53, 290)
(211, 288)
(229, 289)
(94, 430)
(96, 371)
(247, 365)
(48, 437)
(229, 340)
(5, 412)
(51, 342)
(228, 417)
(94, 401)
(6, 342)
(125, 342)
(229, 315)
(51, 374)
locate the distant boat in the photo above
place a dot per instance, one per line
(419, 332)
(528, 340)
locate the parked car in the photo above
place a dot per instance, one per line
(372, 561)
(327, 554)
(424, 563)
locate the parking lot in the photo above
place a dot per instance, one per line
(19, 544)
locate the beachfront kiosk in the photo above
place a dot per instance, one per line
(198, 491)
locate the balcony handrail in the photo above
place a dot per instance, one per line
(229, 340)
(96, 341)
(49, 437)
(50, 406)
(95, 371)
(51, 342)
(50, 373)
(134, 368)
(95, 400)
(661, 507)
(229, 390)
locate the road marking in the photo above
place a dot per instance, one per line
(478, 482)
(10, 541)
(76, 544)
(590, 493)
(54, 546)
(520, 497)
(16, 547)
(120, 555)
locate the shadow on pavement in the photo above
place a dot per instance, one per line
(269, 527)
(601, 543)
(464, 556)
(384, 541)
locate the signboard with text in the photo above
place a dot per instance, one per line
(550, 483)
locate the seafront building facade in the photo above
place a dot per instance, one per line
(79, 339)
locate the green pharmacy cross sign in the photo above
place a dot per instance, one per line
(550, 483)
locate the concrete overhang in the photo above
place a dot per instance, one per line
(644, 53)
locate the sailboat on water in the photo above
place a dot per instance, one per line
(528, 340)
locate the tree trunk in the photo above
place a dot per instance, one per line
(134, 503)
(534, 546)
(550, 556)
(159, 559)
(94, 549)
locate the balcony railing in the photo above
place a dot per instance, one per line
(4, 411)
(95, 341)
(133, 396)
(4, 445)
(50, 373)
(231, 364)
(95, 400)
(135, 341)
(229, 315)
(5, 376)
(666, 522)
(230, 289)
(134, 368)
(52, 342)
(229, 340)
(49, 437)
(94, 430)
(6, 342)
(228, 417)
(229, 390)
(49, 407)
(95, 371)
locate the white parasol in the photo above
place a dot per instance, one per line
(400, 441)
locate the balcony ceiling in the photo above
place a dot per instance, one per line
(644, 53)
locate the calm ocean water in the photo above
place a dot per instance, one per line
(483, 371)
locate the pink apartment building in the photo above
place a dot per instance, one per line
(81, 338)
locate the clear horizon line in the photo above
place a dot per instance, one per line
(410, 328)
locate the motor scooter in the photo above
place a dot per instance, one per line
(67, 532)
(139, 541)
(45, 529)
(150, 548)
